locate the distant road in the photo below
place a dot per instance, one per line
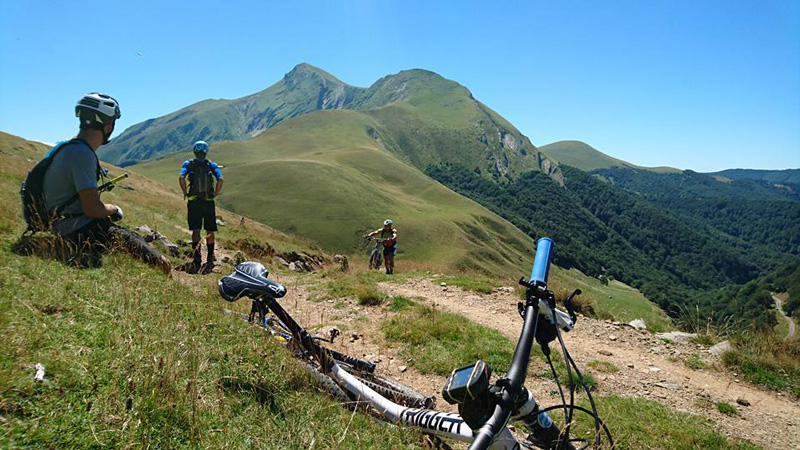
(789, 319)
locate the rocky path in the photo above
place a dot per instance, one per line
(788, 319)
(648, 366)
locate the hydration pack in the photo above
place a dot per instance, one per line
(201, 179)
(37, 215)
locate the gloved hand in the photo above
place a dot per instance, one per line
(117, 216)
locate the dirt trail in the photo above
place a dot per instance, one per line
(788, 319)
(771, 420)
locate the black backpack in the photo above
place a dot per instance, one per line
(34, 206)
(201, 180)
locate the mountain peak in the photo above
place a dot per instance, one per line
(304, 71)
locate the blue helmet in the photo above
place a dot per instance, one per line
(200, 147)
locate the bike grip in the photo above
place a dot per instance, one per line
(541, 264)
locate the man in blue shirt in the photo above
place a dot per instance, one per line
(200, 193)
(86, 223)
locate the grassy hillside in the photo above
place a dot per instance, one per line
(582, 156)
(134, 359)
(325, 177)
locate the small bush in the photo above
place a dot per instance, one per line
(694, 362)
(705, 339)
(727, 409)
(370, 296)
(400, 303)
(604, 366)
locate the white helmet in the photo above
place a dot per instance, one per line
(200, 147)
(96, 109)
(387, 222)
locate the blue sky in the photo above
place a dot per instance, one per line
(705, 85)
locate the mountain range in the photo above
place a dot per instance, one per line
(316, 157)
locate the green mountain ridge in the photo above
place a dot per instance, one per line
(421, 117)
(782, 177)
(587, 158)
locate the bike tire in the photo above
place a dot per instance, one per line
(385, 386)
(324, 382)
(391, 389)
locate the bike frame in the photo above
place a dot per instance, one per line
(376, 254)
(439, 423)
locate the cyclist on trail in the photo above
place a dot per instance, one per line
(87, 224)
(200, 194)
(389, 236)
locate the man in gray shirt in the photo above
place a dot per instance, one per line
(86, 223)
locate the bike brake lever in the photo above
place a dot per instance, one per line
(570, 308)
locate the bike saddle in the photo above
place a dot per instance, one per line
(249, 279)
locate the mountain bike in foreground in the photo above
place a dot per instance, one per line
(484, 408)
(249, 279)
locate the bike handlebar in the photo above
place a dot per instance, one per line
(541, 264)
(515, 379)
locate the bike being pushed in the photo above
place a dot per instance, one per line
(485, 408)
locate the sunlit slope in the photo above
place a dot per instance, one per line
(132, 356)
(156, 204)
(324, 176)
(585, 157)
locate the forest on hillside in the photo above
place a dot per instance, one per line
(607, 232)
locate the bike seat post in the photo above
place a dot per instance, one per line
(253, 310)
(262, 311)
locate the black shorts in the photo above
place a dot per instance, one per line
(202, 214)
(389, 251)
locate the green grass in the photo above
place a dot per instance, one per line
(604, 366)
(469, 283)
(766, 360)
(705, 339)
(727, 409)
(438, 342)
(694, 362)
(330, 181)
(400, 303)
(615, 300)
(370, 296)
(135, 359)
(637, 423)
(582, 156)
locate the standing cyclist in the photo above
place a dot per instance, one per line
(86, 223)
(389, 236)
(201, 192)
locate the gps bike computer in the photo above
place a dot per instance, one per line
(467, 383)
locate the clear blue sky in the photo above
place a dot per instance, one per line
(704, 85)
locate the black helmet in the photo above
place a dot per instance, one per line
(95, 110)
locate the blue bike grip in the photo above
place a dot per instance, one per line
(541, 264)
